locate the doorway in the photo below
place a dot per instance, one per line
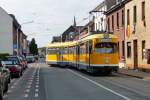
(135, 52)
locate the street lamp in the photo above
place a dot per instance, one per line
(19, 27)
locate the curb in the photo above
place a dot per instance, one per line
(140, 77)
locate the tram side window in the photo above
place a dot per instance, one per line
(65, 51)
(83, 48)
(106, 47)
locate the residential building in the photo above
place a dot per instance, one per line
(56, 39)
(71, 33)
(110, 3)
(116, 25)
(100, 17)
(137, 25)
(16, 31)
(6, 32)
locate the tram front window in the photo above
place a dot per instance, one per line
(106, 47)
(52, 51)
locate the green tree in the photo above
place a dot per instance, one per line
(33, 47)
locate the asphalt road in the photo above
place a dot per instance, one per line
(42, 82)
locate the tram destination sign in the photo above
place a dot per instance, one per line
(106, 40)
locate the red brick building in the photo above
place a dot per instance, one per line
(115, 23)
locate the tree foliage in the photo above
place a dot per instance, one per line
(33, 47)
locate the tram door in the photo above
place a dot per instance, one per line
(90, 51)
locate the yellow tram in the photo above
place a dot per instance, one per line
(93, 53)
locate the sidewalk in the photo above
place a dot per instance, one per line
(135, 73)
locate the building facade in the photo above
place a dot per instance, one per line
(6, 32)
(116, 25)
(100, 17)
(137, 25)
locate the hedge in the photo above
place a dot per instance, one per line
(3, 56)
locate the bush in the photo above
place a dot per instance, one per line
(3, 56)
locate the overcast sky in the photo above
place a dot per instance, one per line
(51, 17)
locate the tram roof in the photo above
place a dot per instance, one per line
(73, 43)
(62, 44)
(94, 36)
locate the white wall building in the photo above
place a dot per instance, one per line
(6, 32)
(100, 17)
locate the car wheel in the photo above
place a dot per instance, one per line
(9, 80)
(1, 96)
(21, 74)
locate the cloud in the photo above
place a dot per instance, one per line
(55, 15)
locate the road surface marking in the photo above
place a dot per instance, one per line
(29, 86)
(36, 90)
(5, 96)
(9, 91)
(12, 87)
(37, 86)
(29, 83)
(27, 90)
(37, 83)
(26, 95)
(36, 95)
(100, 85)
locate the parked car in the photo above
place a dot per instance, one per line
(4, 80)
(30, 59)
(18, 60)
(14, 68)
(23, 62)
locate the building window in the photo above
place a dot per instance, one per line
(123, 48)
(118, 20)
(134, 15)
(108, 24)
(129, 49)
(113, 22)
(143, 48)
(96, 27)
(143, 10)
(123, 18)
(128, 17)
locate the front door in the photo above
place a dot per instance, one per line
(135, 52)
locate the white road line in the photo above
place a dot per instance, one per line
(37, 83)
(26, 95)
(9, 91)
(30, 80)
(5, 96)
(27, 90)
(37, 86)
(12, 87)
(29, 86)
(29, 83)
(36, 90)
(36, 95)
(100, 85)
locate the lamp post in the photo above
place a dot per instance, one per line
(19, 27)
